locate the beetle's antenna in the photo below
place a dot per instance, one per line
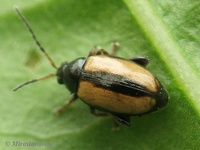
(41, 48)
(34, 37)
(34, 80)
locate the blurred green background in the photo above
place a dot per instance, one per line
(70, 29)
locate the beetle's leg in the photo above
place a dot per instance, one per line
(115, 47)
(93, 111)
(122, 119)
(97, 52)
(143, 61)
(60, 109)
(116, 125)
(103, 114)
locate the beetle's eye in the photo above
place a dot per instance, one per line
(60, 81)
(59, 72)
(59, 75)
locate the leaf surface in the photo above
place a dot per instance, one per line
(165, 31)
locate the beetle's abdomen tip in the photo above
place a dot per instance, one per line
(162, 99)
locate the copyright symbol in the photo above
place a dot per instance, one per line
(7, 143)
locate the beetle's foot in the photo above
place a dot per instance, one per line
(93, 111)
(58, 110)
(96, 48)
(115, 47)
(116, 126)
(97, 52)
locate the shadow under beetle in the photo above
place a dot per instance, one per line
(116, 86)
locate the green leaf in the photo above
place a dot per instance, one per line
(165, 31)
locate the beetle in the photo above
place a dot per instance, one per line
(113, 85)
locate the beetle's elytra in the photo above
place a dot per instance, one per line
(116, 86)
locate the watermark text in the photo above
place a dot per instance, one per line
(29, 144)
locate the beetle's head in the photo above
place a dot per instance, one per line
(60, 72)
(68, 73)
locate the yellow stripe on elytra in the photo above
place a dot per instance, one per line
(125, 68)
(113, 101)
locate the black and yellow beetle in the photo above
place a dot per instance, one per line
(116, 86)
